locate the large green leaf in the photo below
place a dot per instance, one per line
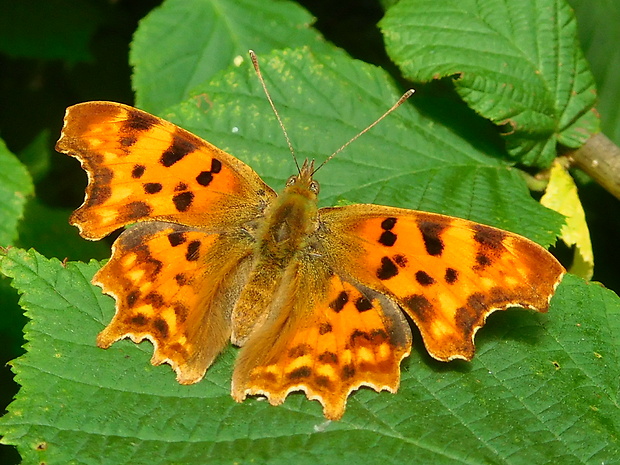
(186, 42)
(516, 63)
(599, 33)
(408, 160)
(15, 188)
(542, 389)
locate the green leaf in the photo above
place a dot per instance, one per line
(408, 160)
(15, 187)
(561, 195)
(599, 33)
(536, 385)
(197, 38)
(517, 64)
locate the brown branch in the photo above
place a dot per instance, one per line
(600, 159)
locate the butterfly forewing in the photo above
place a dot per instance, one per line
(447, 273)
(141, 167)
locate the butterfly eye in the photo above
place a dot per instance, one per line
(292, 180)
(314, 187)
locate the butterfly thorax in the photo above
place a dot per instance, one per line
(282, 237)
(290, 219)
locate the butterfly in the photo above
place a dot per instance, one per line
(316, 298)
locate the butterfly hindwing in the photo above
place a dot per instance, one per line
(447, 273)
(174, 285)
(328, 341)
(141, 167)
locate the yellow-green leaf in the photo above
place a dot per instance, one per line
(561, 196)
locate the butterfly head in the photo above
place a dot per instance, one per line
(303, 183)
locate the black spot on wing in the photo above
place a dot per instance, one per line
(132, 298)
(387, 238)
(400, 260)
(387, 269)
(216, 165)
(193, 251)
(155, 299)
(356, 336)
(204, 178)
(181, 279)
(299, 351)
(299, 373)
(339, 302)
(128, 141)
(183, 201)
(181, 311)
(431, 234)
(488, 237)
(451, 275)
(136, 210)
(423, 278)
(323, 381)
(161, 326)
(328, 357)
(362, 304)
(138, 171)
(419, 305)
(176, 238)
(348, 371)
(152, 187)
(179, 149)
(151, 265)
(325, 328)
(482, 261)
(388, 223)
(138, 319)
(138, 121)
(490, 246)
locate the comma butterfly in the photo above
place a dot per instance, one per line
(315, 297)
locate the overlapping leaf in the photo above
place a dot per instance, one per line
(516, 63)
(408, 160)
(15, 187)
(599, 32)
(186, 42)
(536, 386)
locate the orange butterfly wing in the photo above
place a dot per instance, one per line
(174, 276)
(141, 167)
(175, 286)
(447, 273)
(327, 338)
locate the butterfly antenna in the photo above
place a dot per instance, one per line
(401, 100)
(273, 107)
